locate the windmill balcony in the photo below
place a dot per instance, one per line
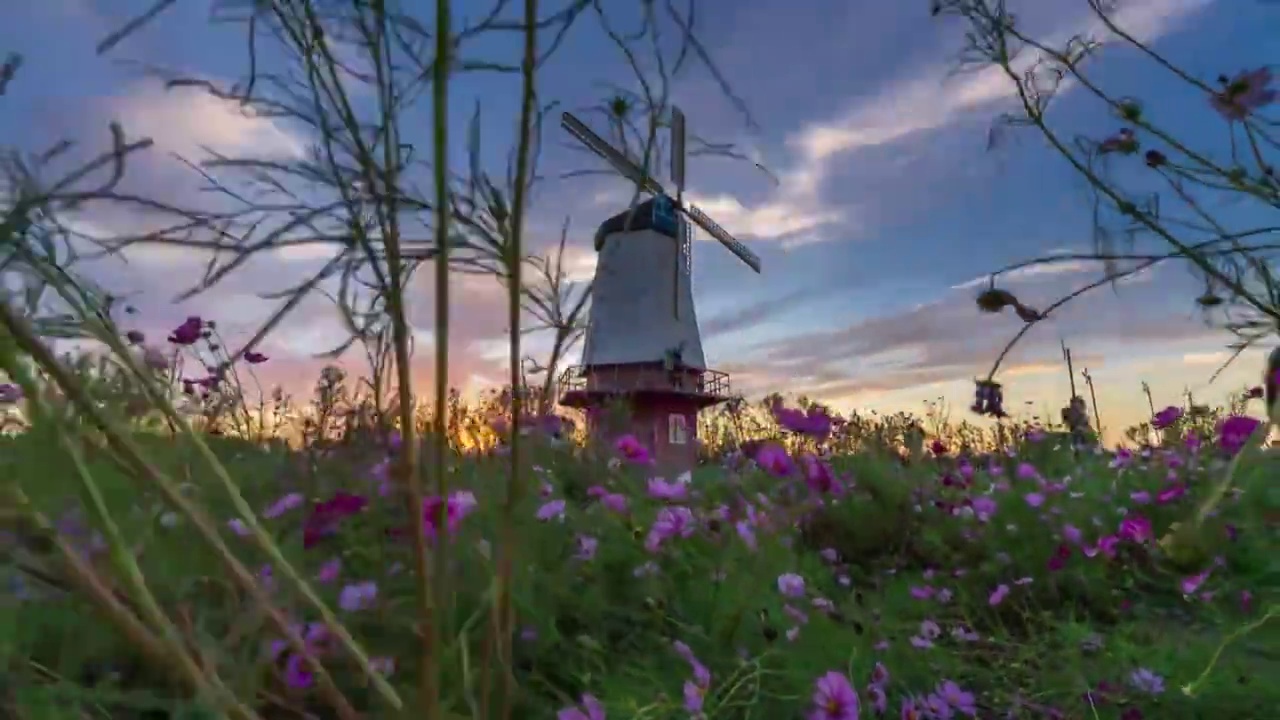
(580, 385)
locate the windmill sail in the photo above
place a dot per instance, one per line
(620, 162)
(719, 233)
(677, 151)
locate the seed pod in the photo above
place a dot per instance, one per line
(994, 299)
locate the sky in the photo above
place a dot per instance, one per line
(888, 212)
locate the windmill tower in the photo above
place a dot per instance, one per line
(642, 349)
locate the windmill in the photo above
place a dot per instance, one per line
(637, 350)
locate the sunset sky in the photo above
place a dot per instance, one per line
(888, 212)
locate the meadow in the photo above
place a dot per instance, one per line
(177, 543)
(816, 569)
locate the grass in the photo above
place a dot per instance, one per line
(937, 570)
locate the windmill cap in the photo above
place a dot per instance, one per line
(641, 218)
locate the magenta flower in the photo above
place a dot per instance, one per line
(329, 571)
(632, 450)
(817, 474)
(255, 358)
(1234, 432)
(1166, 417)
(191, 330)
(326, 516)
(459, 505)
(1135, 528)
(834, 699)
(773, 459)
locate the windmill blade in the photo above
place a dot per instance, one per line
(737, 248)
(620, 162)
(677, 151)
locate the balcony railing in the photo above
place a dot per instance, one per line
(624, 379)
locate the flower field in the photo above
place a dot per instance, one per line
(792, 579)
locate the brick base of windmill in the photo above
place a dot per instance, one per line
(657, 403)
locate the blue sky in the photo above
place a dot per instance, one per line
(889, 207)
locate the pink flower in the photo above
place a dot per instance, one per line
(834, 699)
(632, 450)
(1106, 546)
(671, 522)
(1190, 584)
(998, 595)
(1135, 528)
(1034, 499)
(1246, 92)
(458, 506)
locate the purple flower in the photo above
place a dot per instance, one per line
(671, 522)
(358, 596)
(590, 709)
(1166, 417)
(791, 585)
(1245, 93)
(956, 698)
(1235, 431)
(10, 394)
(834, 699)
(663, 490)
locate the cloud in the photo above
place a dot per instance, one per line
(753, 314)
(1029, 272)
(1206, 358)
(186, 121)
(929, 98)
(949, 339)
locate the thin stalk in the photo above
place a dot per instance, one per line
(121, 557)
(1121, 203)
(515, 487)
(408, 465)
(84, 580)
(133, 456)
(135, 459)
(440, 462)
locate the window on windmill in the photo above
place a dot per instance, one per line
(677, 430)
